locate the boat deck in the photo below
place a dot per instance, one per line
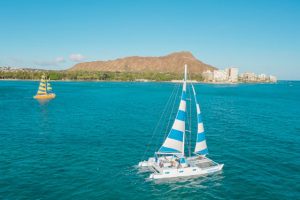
(170, 164)
(201, 162)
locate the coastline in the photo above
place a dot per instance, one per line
(150, 81)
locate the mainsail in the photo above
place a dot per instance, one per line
(42, 88)
(201, 147)
(174, 143)
(45, 87)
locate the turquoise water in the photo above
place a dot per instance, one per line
(86, 143)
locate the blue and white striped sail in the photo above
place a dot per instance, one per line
(201, 147)
(174, 143)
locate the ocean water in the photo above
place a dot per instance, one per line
(86, 143)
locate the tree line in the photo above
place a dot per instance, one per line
(100, 76)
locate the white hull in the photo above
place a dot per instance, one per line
(196, 166)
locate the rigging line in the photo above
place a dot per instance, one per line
(190, 122)
(172, 110)
(188, 141)
(189, 119)
(159, 122)
(187, 116)
(196, 102)
(173, 99)
(155, 129)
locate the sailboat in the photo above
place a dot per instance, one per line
(170, 160)
(45, 90)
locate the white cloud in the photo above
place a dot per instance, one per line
(76, 57)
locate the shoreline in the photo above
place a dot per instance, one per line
(151, 81)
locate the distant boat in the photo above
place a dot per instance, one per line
(45, 90)
(170, 160)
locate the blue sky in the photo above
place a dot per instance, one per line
(255, 35)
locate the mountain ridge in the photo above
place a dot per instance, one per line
(171, 63)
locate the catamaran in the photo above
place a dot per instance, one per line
(45, 90)
(170, 160)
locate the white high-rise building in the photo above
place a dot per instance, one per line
(249, 77)
(233, 74)
(220, 76)
(226, 75)
(262, 77)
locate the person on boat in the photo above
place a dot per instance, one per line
(160, 163)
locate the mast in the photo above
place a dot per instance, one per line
(201, 146)
(184, 88)
(174, 143)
